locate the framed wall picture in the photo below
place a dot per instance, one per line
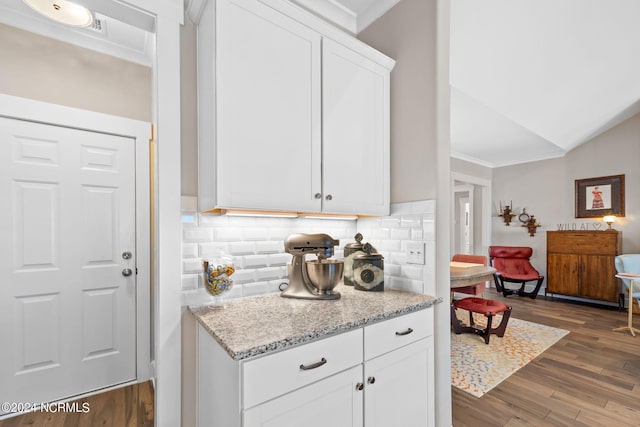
(597, 197)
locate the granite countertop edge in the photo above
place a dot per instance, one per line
(295, 340)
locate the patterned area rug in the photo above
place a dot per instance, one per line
(477, 367)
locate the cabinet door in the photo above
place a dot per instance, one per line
(355, 137)
(268, 109)
(597, 280)
(397, 391)
(334, 401)
(563, 273)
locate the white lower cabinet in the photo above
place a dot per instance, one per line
(397, 387)
(376, 376)
(334, 401)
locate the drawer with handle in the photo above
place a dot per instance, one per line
(270, 376)
(386, 336)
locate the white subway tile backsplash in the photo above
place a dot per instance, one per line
(235, 292)
(411, 221)
(228, 234)
(270, 247)
(390, 222)
(391, 269)
(274, 285)
(244, 276)
(412, 272)
(429, 280)
(257, 247)
(389, 246)
(400, 234)
(242, 221)
(278, 259)
(212, 249)
(416, 234)
(189, 250)
(190, 281)
(257, 288)
(256, 233)
(191, 265)
(190, 235)
(281, 233)
(379, 233)
(429, 229)
(270, 273)
(213, 220)
(255, 261)
(430, 251)
(242, 248)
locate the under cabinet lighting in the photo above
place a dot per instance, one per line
(283, 214)
(270, 214)
(62, 11)
(329, 216)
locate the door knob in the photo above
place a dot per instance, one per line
(127, 272)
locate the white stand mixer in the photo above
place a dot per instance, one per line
(313, 279)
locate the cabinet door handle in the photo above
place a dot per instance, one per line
(313, 365)
(371, 380)
(359, 386)
(317, 196)
(329, 197)
(407, 332)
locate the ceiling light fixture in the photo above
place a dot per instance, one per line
(62, 11)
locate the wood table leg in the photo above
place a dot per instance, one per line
(629, 326)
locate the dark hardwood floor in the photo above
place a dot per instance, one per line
(130, 406)
(591, 377)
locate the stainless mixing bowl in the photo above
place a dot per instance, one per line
(325, 274)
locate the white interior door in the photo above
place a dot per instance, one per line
(67, 309)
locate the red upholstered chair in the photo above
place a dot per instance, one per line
(477, 288)
(513, 266)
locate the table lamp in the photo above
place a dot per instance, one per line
(609, 219)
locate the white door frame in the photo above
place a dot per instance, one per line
(485, 222)
(43, 112)
(469, 189)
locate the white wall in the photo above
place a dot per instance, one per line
(41, 68)
(546, 189)
(188, 110)
(407, 33)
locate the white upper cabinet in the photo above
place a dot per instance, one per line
(355, 131)
(288, 118)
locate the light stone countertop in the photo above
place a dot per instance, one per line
(257, 325)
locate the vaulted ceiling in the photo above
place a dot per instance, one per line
(533, 80)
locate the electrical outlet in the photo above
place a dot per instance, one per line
(415, 253)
